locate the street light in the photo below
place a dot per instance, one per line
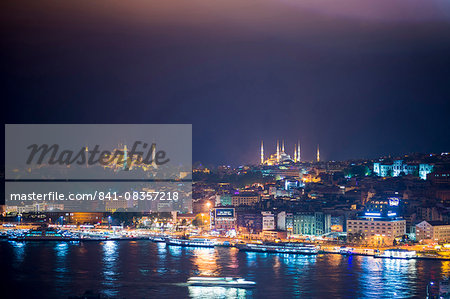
(428, 284)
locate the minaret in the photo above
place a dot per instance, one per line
(295, 153)
(318, 154)
(282, 147)
(125, 158)
(278, 151)
(154, 155)
(262, 152)
(298, 152)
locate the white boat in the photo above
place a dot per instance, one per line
(157, 239)
(346, 250)
(293, 248)
(46, 234)
(235, 282)
(191, 242)
(397, 254)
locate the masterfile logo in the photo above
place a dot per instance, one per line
(89, 168)
(40, 154)
(98, 152)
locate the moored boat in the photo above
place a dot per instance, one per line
(292, 248)
(397, 254)
(197, 242)
(45, 234)
(157, 239)
(346, 250)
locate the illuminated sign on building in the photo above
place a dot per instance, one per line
(394, 201)
(224, 213)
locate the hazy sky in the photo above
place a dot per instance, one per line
(360, 78)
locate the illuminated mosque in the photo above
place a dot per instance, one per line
(281, 157)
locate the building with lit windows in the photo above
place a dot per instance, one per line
(268, 219)
(285, 222)
(399, 167)
(223, 200)
(377, 231)
(311, 224)
(435, 231)
(223, 219)
(244, 199)
(380, 207)
(380, 223)
(84, 218)
(281, 171)
(249, 222)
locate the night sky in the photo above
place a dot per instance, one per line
(360, 78)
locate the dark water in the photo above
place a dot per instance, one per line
(141, 269)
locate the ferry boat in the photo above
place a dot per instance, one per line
(198, 242)
(235, 282)
(397, 254)
(45, 234)
(292, 248)
(344, 250)
(157, 239)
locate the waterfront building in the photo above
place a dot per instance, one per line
(223, 219)
(268, 219)
(311, 224)
(249, 222)
(274, 234)
(380, 223)
(436, 231)
(399, 167)
(377, 231)
(285, 222)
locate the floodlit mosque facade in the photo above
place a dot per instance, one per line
(281, 157)
(281, 164)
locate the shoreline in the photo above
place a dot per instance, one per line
(321, 251)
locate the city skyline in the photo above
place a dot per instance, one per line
(226, 149)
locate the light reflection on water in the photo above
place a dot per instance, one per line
(110, 259)
(19, 251)
(205, 260)
(217, 292)
(61, 250)
(387, 278)
(144, 269)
